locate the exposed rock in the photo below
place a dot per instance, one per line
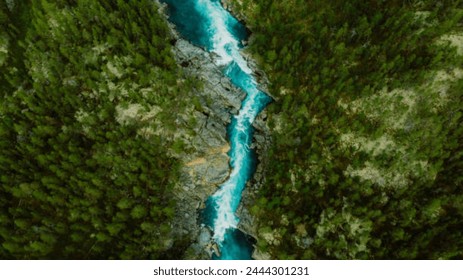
(215, 249)
(207, 165)
(201, 64)
(261, 142)
(248, 223)
(229, 5)
(259, 255)
(204, 237)
(261, 78)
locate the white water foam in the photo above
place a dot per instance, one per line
(224, 43)
(228, 50)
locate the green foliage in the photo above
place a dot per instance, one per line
(366, 154)
(81, 165)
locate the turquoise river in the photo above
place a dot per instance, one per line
(207, 24)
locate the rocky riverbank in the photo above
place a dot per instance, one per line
(248, 223)
(261, 142)
(206, 164)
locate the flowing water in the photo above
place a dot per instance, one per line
(207, 24)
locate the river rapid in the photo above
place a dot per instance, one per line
(207, 24)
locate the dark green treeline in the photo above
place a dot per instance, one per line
(366, 153)
(79, 177)
(366, 160)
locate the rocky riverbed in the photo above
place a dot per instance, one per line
(206, 164)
